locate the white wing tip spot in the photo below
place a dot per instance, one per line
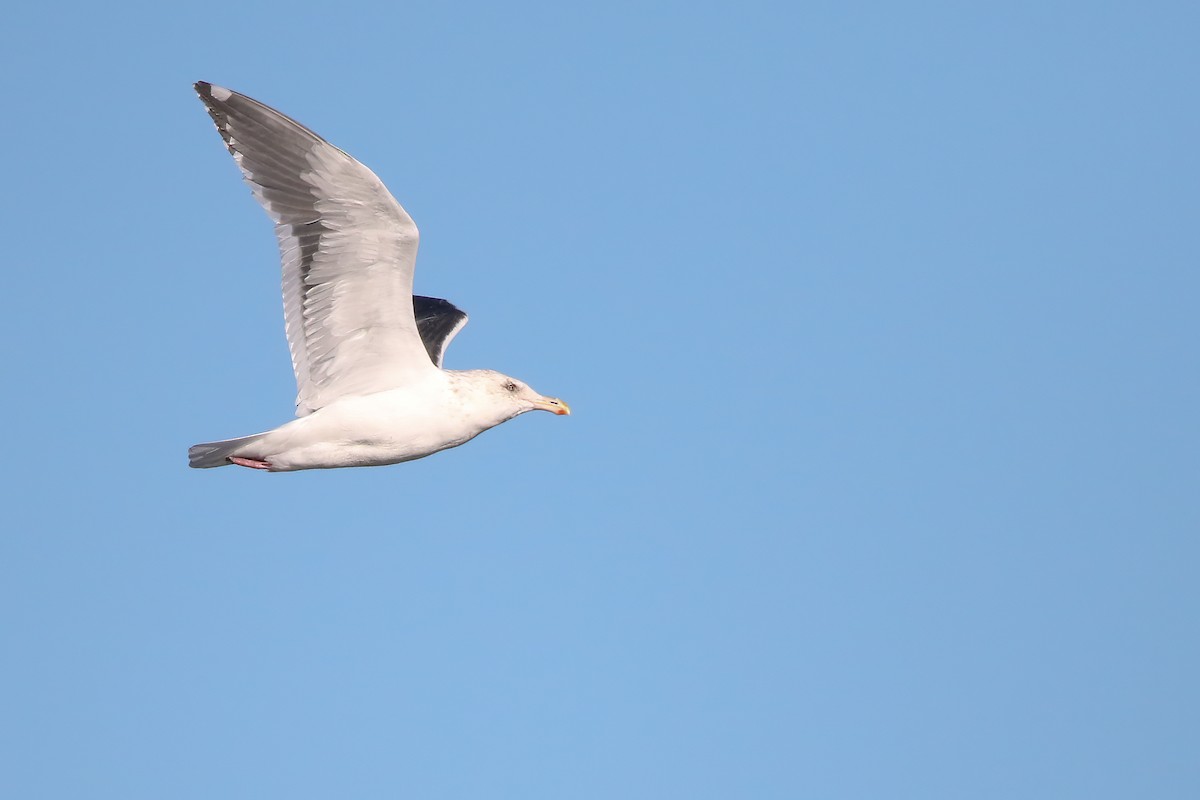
(221, 93)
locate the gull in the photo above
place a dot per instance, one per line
(367, 353)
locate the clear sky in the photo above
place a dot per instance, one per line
(878, 321)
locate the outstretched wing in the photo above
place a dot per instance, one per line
(348, 251)
(439, 321)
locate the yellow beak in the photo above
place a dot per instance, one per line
(553, 405)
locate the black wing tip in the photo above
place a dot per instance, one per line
(211, 93)
(434, 305)
(212, 104)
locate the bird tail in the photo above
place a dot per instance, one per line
(216, 454)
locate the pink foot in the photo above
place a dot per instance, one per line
(249, 462)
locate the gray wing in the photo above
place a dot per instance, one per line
(348, 251)
(438, 321)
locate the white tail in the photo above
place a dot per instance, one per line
(216, 454)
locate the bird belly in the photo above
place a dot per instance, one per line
(362, 432)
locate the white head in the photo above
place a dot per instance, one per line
(506, 397)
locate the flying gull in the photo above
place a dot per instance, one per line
(367, 354)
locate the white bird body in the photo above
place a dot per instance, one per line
(366, 353)
(439, 412)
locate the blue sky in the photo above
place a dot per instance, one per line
(878, 322)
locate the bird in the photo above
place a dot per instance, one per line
(367, 353)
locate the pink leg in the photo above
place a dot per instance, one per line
(249, 462)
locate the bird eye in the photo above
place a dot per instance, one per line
(510, 386)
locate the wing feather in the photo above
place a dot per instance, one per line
(439, 321)
(347, 250)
